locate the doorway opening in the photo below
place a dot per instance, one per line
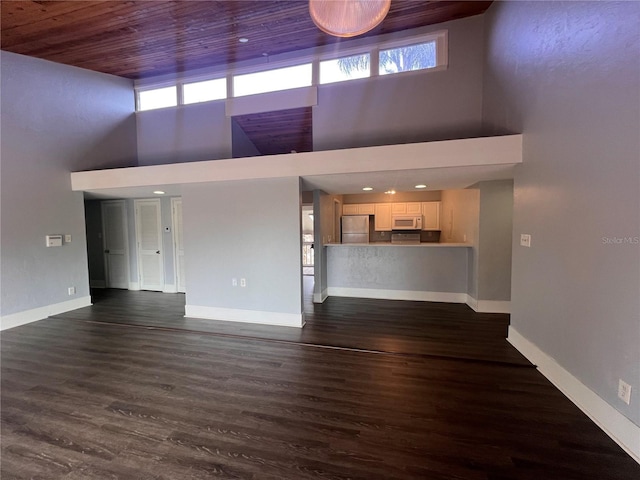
(307, 241)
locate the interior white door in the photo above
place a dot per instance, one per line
(149, 241)
(115, 238)
(176, 208)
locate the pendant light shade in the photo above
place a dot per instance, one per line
(348, 18)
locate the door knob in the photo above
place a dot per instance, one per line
(158, 252)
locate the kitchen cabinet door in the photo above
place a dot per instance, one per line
(431, 215)
(366, 209)
(350, 209)
(382, 217)
(414, 208)
(399, 208)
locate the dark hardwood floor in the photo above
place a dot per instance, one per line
(129, 389)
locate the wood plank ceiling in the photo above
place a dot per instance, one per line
(142, 39)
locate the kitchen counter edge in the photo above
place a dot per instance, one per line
(385, 244)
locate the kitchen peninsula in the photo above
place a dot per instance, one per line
(425, 271)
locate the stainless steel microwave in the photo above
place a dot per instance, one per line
(406, 222)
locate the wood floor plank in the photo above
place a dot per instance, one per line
(129, 389)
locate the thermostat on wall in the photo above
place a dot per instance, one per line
(54, 240)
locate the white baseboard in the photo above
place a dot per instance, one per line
(134, 285)
(397, 294)
(622, 430)
(170, 288)
(245, 316)
(320, 297)
(98, 284)
(488, 306)
(40, 313)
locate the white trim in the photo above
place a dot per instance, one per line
(135, 286)
(245, 316)
(174, 236)
(98, 284)
(272, 101)
(450, 297)
(622, 430)
(472, 302)
(489, 306)
(168, 288)
(353, 46)
(320, 297)
(40, 313)
(485, 151)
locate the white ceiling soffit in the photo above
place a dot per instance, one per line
(451, 156)
(450, 178)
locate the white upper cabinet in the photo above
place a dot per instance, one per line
(382, 217)
(351, 209)
(430, 215)
(406, 208)
(366, 209)
(358, 209)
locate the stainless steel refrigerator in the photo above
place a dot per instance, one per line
(355, 229)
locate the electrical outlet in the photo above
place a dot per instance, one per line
(525, 240)
(234, 282)
(71, 290)
(624, 391)
(243, 282)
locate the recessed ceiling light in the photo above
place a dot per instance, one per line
(390, 192)
(243, 39)
(367, 189)
(158, 192)
(421, 186)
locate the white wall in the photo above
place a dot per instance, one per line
(459, 223)
(55, 119)
(413, 107)
(248, 229)
(323, 226)
(398, 270)
(184, 134)
(568, 76)
(494, 240)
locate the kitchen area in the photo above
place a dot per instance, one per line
(423, 246)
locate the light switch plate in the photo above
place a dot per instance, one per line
(525, 240)
(67, 238)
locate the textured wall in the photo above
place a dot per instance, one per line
(184, 134)
(55, 119)
(568, 76)
(406, 108)
(495, 237)
(248, 229)
(422, 269)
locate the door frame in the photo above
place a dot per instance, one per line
(136, 212)
(176, 261)
(125, 232)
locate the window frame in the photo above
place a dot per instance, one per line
(313, 56)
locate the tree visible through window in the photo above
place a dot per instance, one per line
(394, 60)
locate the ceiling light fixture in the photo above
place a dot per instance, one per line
(243, 39)
(390, 192)
(367, 189)
(158, 192)
(421, 186)
(348, 18)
